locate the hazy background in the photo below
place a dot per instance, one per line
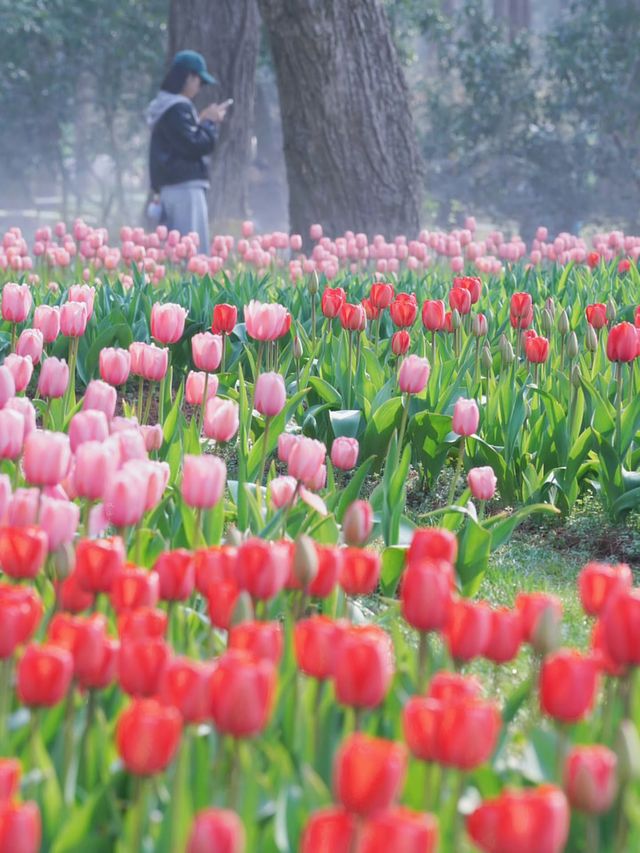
(526, 111)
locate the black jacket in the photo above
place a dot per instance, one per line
(179, 145)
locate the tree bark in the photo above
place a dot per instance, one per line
(227, 33)
(349, 138)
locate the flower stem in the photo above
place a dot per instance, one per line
(456, 476)
(203, 405)
(403, 422)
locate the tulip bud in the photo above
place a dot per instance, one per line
(64, 560)
(627, 748)
(305, 561)
(242, 609)
(576, 376)
(572, 345)
(310, 427)
(486, 358)
(455, 319)
(312, 284)
(357, 523)
(479, 325)
(508, 355)
(612, 310)
(233, 537)
(546, 322)
(546, 635)
(550, 306)
(297, 347)
(502, 342)
(591, 339)
(563, 323)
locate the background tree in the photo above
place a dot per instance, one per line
(227, 33)
(349, 138)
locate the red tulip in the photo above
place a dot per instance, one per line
(420, 726)
(368, 773)
(602, 655)
(364, 666)
(451, 687)
(241, 693)
(332, 301)
(98, 563)
(536, 349)
(133, 587)
(9, 779)
(596, 315)
(184, 683)
(433, 313)
(84, 637)
(20, 613)
(20, 827)
(260, 568)
(141, 663)
(597, 582)
(103, 668)
(505, 635)
(330, 830)
(590, 778)
(176, 572)
(44, 675)
(568, 684)
(147, 736)
(425, 594)
(521, 305)
(621, 627)
(352, 317)
(225, 318)
(221, 600)
(360, 571)
(399, 830)
(316, 642)
(329, 569)
(216, 831)
(531, 606)
(593, 259)
(23, 551)
(432, 543)
(460, 300)
(262, 640)
(381, 295)
(370, 310)
(468, 629)
(142, 622)
(622, 343)
(467, 732)
(471, 283)
(400, 342)
(213, 565)
(404, 310)
(529, 821)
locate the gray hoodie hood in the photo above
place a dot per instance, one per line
(162, 102)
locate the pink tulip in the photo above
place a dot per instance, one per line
(207, 351)
(466, 417)
(54, 378)
(153, 437)
(101, 397)
(482, 483)
(23, 507)
(121, 424)
(85, 294)
(7, 385)
(151, 362)
(270, 394)
(124, 498)
(167, 322)
(306, 459)
(344, 453)
(59, 520)
(47, 458)
(26, 409)
(73, 319)
(315, 232)
(91, 425)
(46, 318)
(203, 480)
(95, 464)
(154, 475)
(286, 441)
(135, 352)
(129, 444)
(30, 343)
(282, 490)
(319, 481)
(16, 302)
(5, 495)
(221, 419)
(115, 365)
(413, 374)
(357, 523)
(21, 368)
(265, 321)
(11, 434)
(194, 388)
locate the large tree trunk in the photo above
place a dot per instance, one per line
(227, 33)
(517, 14)
(349, 138)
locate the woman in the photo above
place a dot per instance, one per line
(181, 141)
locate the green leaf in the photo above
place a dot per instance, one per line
(392, 565)
(502, 528)
(346, 423)
(474, 549)
(171, 421)
(350, 493)
(380, 429)
(325, 391)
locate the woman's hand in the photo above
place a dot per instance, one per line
(214, 112)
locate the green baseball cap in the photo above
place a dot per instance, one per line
(194, 61)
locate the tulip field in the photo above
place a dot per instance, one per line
(249, 501)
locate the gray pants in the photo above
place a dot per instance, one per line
(185, 209)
